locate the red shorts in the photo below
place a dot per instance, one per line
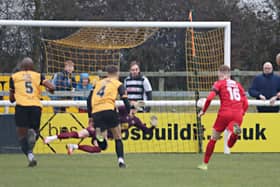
(227, 119)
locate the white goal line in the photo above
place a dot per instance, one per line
(68, 103)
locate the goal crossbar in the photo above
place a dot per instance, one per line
(119, 24)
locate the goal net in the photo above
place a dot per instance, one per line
(91, 49)
(97, 44)
(204, 55)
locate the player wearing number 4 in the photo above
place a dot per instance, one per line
(234, 104)
(25, 90)
(104, 113)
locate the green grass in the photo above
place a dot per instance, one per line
(144, 170)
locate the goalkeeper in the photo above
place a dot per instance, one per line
(126, 122)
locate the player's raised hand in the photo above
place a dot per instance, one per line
(262, 97)
(272, 100)
(132, 112)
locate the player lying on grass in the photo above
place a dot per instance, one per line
(126, 122)
(234, 104)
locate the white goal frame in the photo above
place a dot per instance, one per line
(125, 24)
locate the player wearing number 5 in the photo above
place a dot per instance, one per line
(25, 90)
(234, 104)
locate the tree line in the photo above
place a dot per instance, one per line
(255, 34)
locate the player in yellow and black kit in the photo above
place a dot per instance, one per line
(104, 112)
(25, 90)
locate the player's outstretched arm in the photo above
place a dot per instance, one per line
(209, 98)
(12, 91)
(89, 107)
(49, 86)
(123, 96)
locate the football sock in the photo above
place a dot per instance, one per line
(31, 139)
(24, 145)
(120, 160)
(119, 148)
(232, 139)
(89, 149)
(66, 135)
(209, 150)
(30, 156)
(52, 138)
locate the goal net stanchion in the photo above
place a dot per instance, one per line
(194, 60)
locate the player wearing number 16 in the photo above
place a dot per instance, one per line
(234, 104)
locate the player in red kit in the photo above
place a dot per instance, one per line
(234, 104)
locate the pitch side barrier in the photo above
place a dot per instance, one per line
(176, 131)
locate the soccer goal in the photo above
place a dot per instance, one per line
(95, 44)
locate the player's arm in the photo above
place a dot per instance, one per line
(12, 90)
(123, 96)
(49, 86)
(148, 92)
(148, 88)
(89, 107)
(209, 98)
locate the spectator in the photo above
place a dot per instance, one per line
(137, 85)
(266, 86)
(83, 85)
(278, 59)
(64, 81)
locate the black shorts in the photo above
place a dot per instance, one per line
(28, 116)
(105, 119)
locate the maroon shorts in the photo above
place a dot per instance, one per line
(91, 131)
(227, 119)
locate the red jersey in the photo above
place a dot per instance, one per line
(232, 96)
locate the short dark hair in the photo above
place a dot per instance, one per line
(27, 64)
(224, 69)
(134, 62)
(111, 69)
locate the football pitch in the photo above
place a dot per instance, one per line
(144, 170)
